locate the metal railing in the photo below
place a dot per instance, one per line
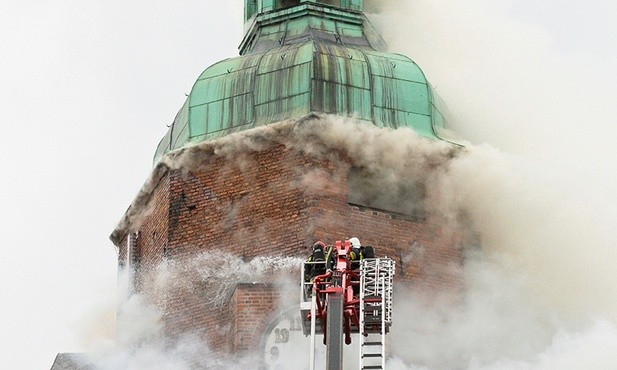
(376, 278)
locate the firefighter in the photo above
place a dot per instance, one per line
(318, 254)
(359, 252)
(355, 255)
(367, 252)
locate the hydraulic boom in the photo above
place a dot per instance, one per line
(349, 298)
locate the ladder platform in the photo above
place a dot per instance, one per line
(361, 304)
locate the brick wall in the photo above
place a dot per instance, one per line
(152, 237)
(253, 305)
(247, 205)
(276, 201)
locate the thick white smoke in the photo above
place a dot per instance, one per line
(140, 342)
(542, 289)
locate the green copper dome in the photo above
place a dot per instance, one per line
(299, 57)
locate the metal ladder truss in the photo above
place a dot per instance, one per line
(376, 275)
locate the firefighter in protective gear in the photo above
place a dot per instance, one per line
(359, 252)
(367, 252)
(355, 255)
(318, 256)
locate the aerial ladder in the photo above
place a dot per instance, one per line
(349, 298)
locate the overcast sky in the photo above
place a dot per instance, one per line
(86, 91)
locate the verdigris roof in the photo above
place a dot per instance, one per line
(308, 57)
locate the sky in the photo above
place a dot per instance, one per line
(88, 87)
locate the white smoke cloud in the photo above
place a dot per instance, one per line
(218, 274)
(543, 292)
(140, 341)
(504, 79)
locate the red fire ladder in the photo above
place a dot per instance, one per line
(368, 311)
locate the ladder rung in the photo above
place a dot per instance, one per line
(373, 331)
(371, 355)
(371, 344)
(371, 367)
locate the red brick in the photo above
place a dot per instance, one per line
(260, 210)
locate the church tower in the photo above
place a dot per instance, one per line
(244, 171)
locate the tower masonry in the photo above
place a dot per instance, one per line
(291, 142)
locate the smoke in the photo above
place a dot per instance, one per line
(387, 153)
(218, 274)
(534, 283)
(541, 292)
(141, 341)
(504, 80)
